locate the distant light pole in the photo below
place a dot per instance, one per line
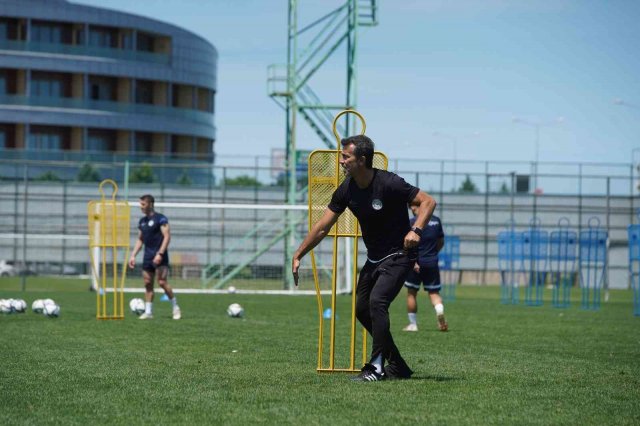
(537, 125)
(634, 168)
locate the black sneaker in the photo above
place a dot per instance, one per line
(396, 372)
(368, 374)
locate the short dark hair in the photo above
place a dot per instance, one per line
(364, 147)
(148, 198)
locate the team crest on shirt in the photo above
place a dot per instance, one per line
(376, 204)
(150, 223)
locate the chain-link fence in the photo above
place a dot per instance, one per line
(43, 215)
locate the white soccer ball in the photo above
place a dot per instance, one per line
(235, 310)
(231, 289)
(19, 305)
(137, 306)
(5, 306)
(37, 306)
(51, 310)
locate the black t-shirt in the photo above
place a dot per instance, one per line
(151, 233)
(428, 246)
(381, 209)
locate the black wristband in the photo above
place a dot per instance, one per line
(417, 230)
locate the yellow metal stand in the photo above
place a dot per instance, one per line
(109, 222)
(324, 177)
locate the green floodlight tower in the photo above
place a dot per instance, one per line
(290, 85)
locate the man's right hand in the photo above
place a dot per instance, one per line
(132, 262)
(295, 265)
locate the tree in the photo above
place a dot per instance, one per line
(467, 186)
(49, 177)
(142, 174)
(88, 173)
(184, 179)
(504, 189)
(242, 180)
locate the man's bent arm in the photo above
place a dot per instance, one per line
(426, 205)
(313, 238)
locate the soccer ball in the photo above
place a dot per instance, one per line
(18, 305)
(137, 306)
(52, 310)
(231, 289)
(37, 306)
(235, 310)
(5, 306)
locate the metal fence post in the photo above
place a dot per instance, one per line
(23, 280)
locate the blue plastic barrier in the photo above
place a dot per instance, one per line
(449, 264)
(563, 250)
(510, 263)
(633, 232)
(535, 244)
(593, 263)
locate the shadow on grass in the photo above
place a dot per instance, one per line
(435, 378)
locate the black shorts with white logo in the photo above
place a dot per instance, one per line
(149, 266)
(429, 277)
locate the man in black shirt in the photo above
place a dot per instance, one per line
(379, 200)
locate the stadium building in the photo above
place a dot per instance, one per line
(82, 83)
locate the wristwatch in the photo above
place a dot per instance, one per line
(417, 230)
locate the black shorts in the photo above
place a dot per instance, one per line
(149, 266)
(429, 276)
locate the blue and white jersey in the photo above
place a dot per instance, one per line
(151, 233)
(428, 246)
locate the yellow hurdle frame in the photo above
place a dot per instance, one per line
(324, 177)
(109, 222)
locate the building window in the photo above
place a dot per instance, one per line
(103, 37)
(48, 138)
(102, 88)
(126, 38)
(50, 32)
(12, 29)
(144, 92)
(78, 34)
(53, 85)
(145, 42)
(3, 82)
(7, 136)
(143, 142)
(100, 140)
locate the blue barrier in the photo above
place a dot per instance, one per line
(563, 249)
(535, 245)
(510, 263)
(449, 264)
(633, 232)
(593, 263)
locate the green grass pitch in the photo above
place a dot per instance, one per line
(497, 364)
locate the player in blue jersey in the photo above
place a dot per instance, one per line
(426, 271)
(154, 234)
